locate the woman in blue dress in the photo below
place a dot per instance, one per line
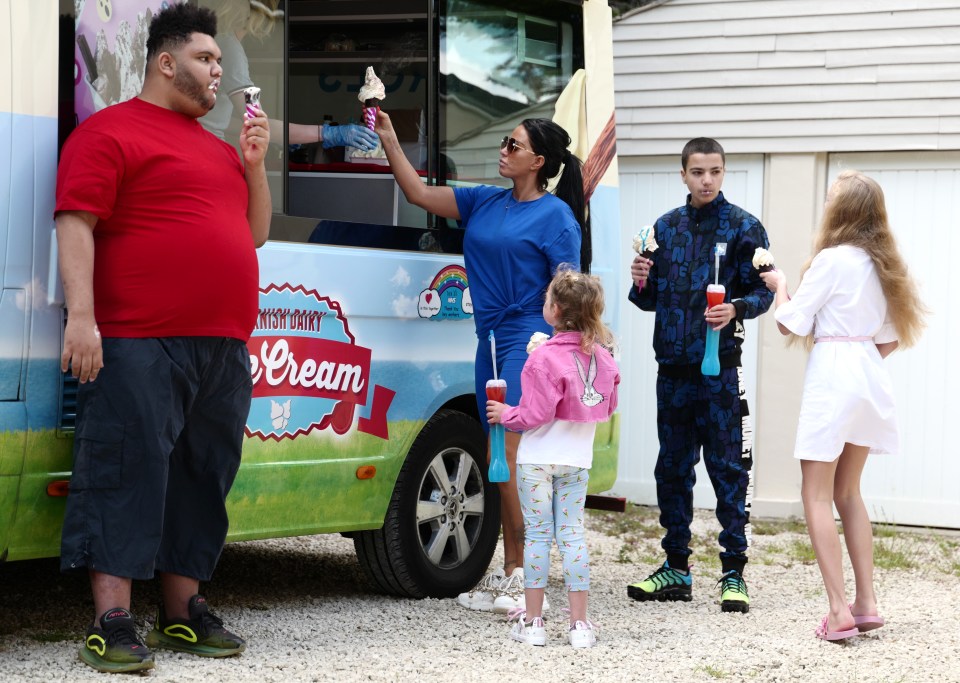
(515, 238)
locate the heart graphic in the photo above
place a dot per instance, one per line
(429, 296)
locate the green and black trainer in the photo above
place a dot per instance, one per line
(733, 593)
(202, 634)
(115, 647)
(666, 583)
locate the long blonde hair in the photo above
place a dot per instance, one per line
(579, 297)
(856, 215)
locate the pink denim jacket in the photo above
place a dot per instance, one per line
(561, 382)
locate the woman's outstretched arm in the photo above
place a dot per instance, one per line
(437, 199)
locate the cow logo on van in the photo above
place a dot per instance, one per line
(308, 371)
(447, 297)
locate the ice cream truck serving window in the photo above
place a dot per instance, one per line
(363, 419)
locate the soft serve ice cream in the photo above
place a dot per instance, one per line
(763, 260)
(251, 100)
(372, 93)
(536, 339)
(645, 243)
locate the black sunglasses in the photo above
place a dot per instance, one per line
(511, 145)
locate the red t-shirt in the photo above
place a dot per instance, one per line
(173, 251)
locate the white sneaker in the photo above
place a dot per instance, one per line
(511, 595)
(582, 634)
(533, 632)
(482, 596)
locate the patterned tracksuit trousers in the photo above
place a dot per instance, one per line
(712, 413)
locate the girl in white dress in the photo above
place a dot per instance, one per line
(856, 303)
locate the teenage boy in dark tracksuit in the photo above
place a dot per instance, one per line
(694, 410)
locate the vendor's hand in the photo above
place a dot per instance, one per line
(255, 138)
(494, 411)
(719, 316)
(640, 269)
(774, 279)
(349, 135)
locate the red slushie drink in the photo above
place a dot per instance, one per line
(715, 295)
(498, 470)
(497, 390)
(711, 358)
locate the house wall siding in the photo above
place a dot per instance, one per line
(789, 76)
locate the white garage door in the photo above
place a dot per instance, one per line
(922, 484)
(649, 187)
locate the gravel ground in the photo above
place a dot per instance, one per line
(309, 615)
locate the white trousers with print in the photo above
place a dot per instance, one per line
(552, 499)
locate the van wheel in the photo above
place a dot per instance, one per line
(443, 521)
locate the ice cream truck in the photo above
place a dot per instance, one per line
(364, 420)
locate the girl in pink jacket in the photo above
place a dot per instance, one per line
(569, 383)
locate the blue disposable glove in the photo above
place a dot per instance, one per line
(349, 135)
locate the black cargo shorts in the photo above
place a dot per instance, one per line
(156, 450)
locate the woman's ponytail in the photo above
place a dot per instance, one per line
(551, 142)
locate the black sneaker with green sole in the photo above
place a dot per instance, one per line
(666, 583)
(114, 646)
(202, 634)
(733, 593)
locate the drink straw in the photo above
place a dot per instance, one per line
(493, 353)
(719, 250)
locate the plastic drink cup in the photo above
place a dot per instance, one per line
(497, 390)
(711, 354)
(715, 295)
(498, 471)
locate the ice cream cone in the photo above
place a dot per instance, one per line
(251, 99)
(645, 243)
(370, 109)
(371, 94)
(763, 260)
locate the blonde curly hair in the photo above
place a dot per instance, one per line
(579, 297)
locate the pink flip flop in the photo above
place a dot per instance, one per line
(868, 622)
(823, 632)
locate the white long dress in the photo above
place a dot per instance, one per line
(847, 393)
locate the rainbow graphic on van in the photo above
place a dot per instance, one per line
(447, 297)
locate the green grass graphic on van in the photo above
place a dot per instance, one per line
(277, 477)
(309, 484)
(290, 487)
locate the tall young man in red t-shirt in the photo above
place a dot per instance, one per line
(157, 224)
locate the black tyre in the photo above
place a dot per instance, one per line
(443, 522)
